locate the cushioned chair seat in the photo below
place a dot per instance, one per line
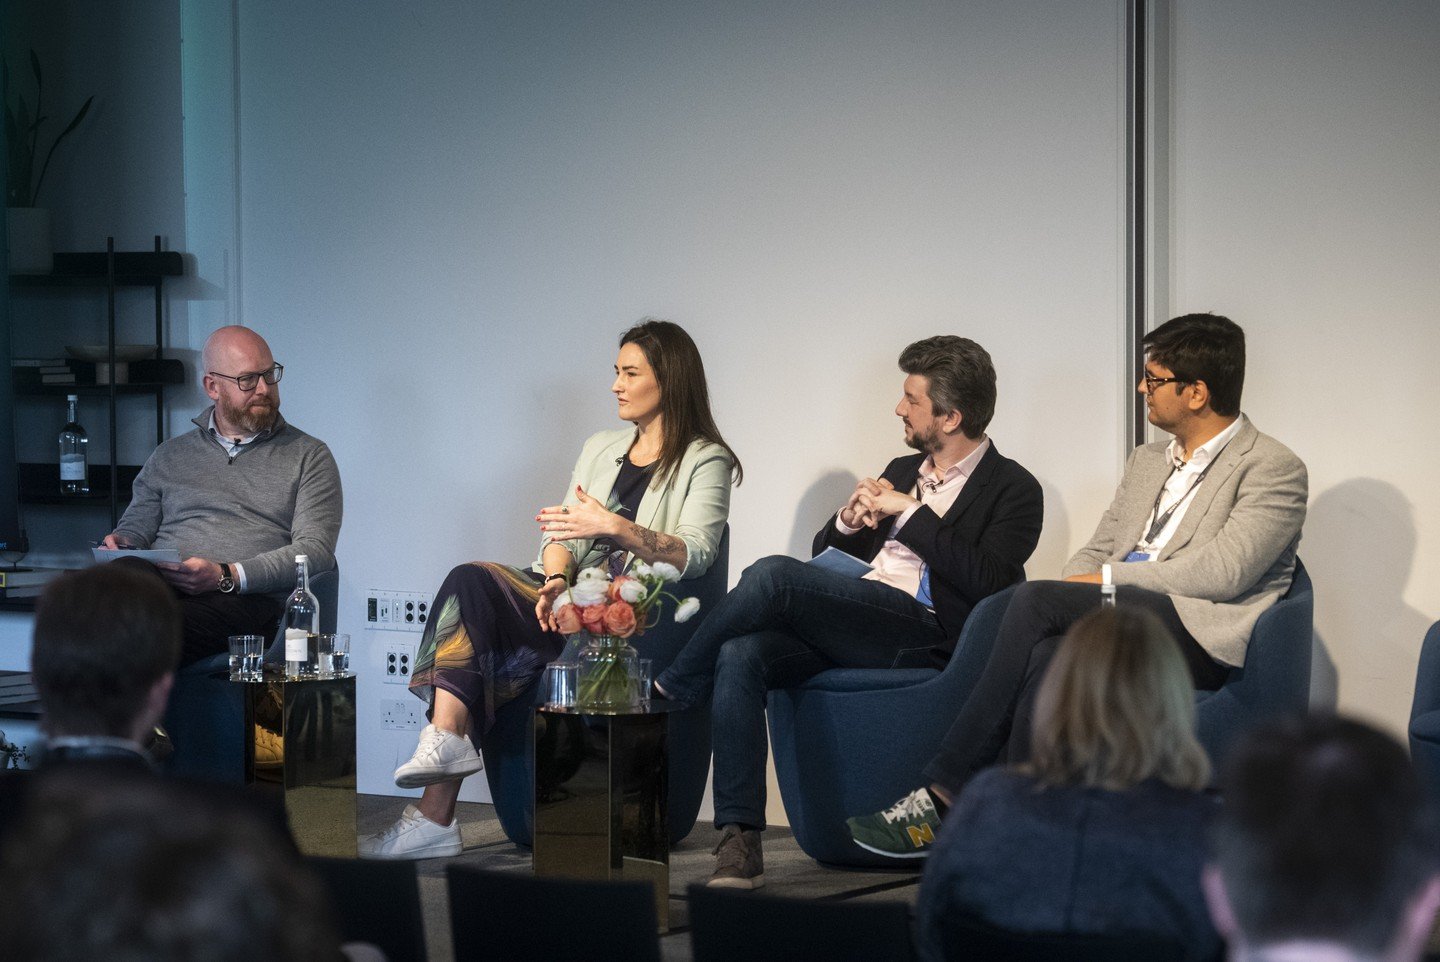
(509, 748)
(854, 740)
(1275, 679)
(206, 714)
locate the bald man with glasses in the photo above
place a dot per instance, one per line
(239, 497)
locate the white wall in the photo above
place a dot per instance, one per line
(1305, 207)
(450, 211)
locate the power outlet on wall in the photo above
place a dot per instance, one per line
(401, 714)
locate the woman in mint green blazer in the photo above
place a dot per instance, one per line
(655, 492)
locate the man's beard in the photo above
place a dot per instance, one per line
(251, 419)
(926, 443)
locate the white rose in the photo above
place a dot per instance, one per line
(641, 570)
(666, 572)
(686, 609)
(592, 574)
(589, 591)
(631, 591)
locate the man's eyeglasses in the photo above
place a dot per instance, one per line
(247, 382)
(1151, 382)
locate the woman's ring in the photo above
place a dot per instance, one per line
(565, 509)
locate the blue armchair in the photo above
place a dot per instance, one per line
(835, 738)
(1425, 715)
(853, 740)
(206, 714)
(509, 746)
(1275, 679)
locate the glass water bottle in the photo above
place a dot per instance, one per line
(74, 465)
(300, 624)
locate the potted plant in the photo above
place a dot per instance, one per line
(11, 755)
(28, 226)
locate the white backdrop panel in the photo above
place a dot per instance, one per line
(450, 211)
(1306, 208)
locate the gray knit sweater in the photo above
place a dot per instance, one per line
(279, 497)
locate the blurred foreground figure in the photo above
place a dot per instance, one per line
(120, 868)
(1325, 848)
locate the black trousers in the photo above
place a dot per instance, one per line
(994, 724)
(212, 616)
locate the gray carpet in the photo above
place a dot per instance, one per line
(788, 871)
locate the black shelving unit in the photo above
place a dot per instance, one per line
(111, 270)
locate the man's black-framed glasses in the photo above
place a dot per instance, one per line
(247, 382)
(1151, 382)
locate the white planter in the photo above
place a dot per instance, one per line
(28, 232)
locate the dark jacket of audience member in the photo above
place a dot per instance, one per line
(1103, 831)
(105, 646)
(120, 867)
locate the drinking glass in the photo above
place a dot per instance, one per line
(559, 684)
(332, 655)
(245, 657)
(340, 656)
(644, 679)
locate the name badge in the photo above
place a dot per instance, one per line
(1137, 556)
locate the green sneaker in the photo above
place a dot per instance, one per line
(906, 830)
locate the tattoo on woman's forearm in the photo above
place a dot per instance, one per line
(655, 543)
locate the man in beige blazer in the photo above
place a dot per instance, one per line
(1202, 532)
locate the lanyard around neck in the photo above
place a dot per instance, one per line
(1161, 520)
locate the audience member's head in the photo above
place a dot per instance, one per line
(106, 643)
(961, 376)
(126, 869)
(1324, 839)
(1117, 707)
(1203, 347)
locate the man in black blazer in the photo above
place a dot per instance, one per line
(940, 530)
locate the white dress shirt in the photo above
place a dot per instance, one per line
(1180, 487)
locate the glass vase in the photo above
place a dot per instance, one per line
(607, 675)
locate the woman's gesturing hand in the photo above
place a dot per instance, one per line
(545, 606)
(586, 518)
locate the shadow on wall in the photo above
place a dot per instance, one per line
(817, 504)
(1054, 548)
(1359, 545)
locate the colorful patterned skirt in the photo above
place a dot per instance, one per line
(483, 644)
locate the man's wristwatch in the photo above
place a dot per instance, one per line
(227, 580)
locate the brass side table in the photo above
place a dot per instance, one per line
(300, 744)
(601, 783)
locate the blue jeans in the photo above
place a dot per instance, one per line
(784, 622)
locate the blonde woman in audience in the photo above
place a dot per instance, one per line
(1102, 831)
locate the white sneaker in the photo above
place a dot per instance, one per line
(441, 756)
(413, 836)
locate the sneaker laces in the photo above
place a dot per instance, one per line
(430, 742)
(915, 805)
(405, 820)
(730, 851)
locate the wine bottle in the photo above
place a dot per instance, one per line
(74, 467)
